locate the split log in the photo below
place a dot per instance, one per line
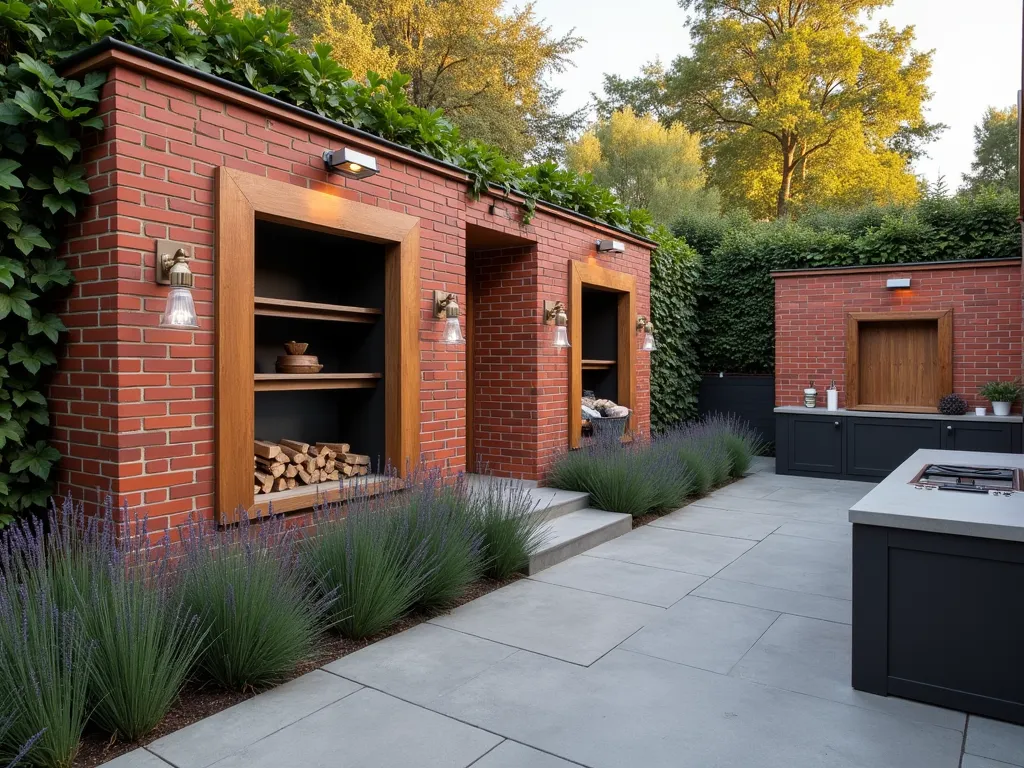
(291, 471)
(292, 483)
(280, 484)
(281, 457)
(257, 488)
(314, 478)
(265, 481)
(357, 459)
(304, 476)
(332, 475)
(321, 461)
(314, 450)
(296, 445)
(347, 469)
(264, 449)
(293, 455)
(336, 447)
(311, 466)
(363, 470)
(329, 466)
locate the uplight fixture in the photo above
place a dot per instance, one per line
(554, 314)
(647, 328)
(354, 164)
(173, 270)
(446, 306)
(610, 246)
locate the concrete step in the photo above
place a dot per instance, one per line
(575, 532)
(549, 503)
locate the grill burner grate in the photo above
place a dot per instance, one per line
(952, 477)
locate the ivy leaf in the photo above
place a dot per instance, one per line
(33, 360)
(16, 142)
(34, 182)
(56, 136)
(7, 178)
(9, 268)
(16, 301)
(34, 103)
(27, 237)
(11, 113)
(68, 179)
(49, 271)
(11, 219)
(54, 203)
(20, 397)
(38, 460)
(10, 430)
(93, 122)
(49, 325)
(40, 69)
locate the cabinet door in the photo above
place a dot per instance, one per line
(816, 444)
(977, 436)
(876, 446)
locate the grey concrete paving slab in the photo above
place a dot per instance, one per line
(634, 710)
(773, 599)
(695, 553)
(708, 634)
(509, 754)
(995, 740)
(565, 623)
(654, 586)
(766, 507)
(797, 564)
(841, 532)
(422, 663)
(721, 522)
(137, 758)
(368, 729)
(218, 736)
(813, 657)
(809, 496)
(973, 761)
(752, 488)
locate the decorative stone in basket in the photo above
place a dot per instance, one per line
(607, 419)
(296, 361)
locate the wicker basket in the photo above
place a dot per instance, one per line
(609, 428)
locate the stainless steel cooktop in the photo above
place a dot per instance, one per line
(972, 479)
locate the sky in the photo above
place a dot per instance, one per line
(977, 60)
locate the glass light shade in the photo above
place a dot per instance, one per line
(180, 311)
(561, 337)
(649, 345)
(452, 332)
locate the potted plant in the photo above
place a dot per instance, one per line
(1002, 394)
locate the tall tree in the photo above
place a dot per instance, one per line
(995, 152)
(646, 164)
(486, 68)
(789, 84)
(644, 94)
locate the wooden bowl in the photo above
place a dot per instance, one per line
(298, 364)
(299, 368)
(295, 348)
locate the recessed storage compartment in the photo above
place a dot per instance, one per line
(899, 361)
(600, 310)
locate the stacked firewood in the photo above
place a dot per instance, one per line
(290, 463)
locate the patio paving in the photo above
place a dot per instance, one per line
(718, 636)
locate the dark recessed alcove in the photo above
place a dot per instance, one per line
(600, 342)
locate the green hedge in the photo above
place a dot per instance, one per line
(675, 274)
(736, 301)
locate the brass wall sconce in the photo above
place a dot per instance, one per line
(172, 269)
(554, 314)
(645, 326)
(447, 306)
(351, 163)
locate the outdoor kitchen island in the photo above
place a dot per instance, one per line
(938, 583)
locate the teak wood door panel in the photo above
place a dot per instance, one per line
(243, 198)
(594, 276)
(900, 361)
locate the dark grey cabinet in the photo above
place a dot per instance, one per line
(993, 437)
(815, 444)
(875, 447)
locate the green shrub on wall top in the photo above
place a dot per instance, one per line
(736, 302)
(42, 184)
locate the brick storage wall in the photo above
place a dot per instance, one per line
(133, 404)
(811, 309)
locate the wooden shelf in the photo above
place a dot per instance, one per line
(310, 310)
(306, 496)
(598, 365)
(279, 382)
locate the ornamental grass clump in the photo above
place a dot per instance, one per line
(360, 555)
(508, 525)
(6, 722)
(144, 640)
(45, 656)
(436, 522)
(262, 609)
(742, 442)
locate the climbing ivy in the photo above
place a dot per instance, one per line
(42, 183)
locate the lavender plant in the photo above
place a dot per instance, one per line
(261, 609)
(6, 721)
(508, 526)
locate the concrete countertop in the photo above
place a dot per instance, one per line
(896, 503)
(1015, 418)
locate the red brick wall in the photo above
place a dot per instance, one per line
(133, 404)
(811, 310)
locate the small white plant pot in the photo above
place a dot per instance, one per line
(1001, 409)
(980, 410)
(810, 397)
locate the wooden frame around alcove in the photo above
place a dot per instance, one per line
(586, 274)
(918, 328)
(242, 199)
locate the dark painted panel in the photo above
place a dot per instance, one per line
(870, 609)
(752, 398)
(875, 447)
(977, 436)
(815, 444)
